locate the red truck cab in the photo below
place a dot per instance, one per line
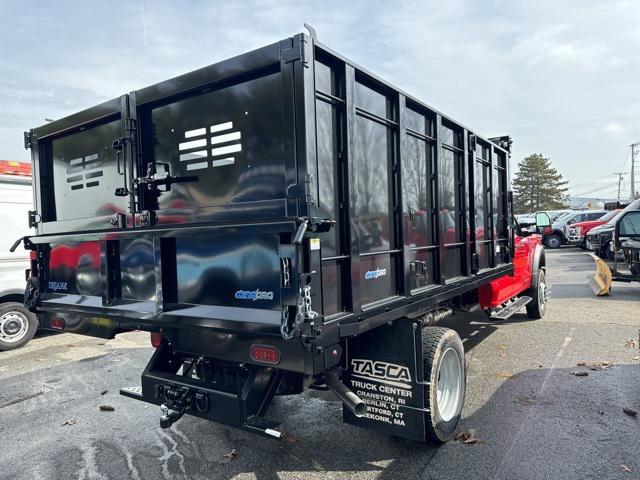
(528, 285)
(578, 231)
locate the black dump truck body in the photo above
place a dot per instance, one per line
(285, 198)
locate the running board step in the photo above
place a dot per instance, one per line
(511, 308)
(132, 392)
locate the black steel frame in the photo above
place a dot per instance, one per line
(294, 59)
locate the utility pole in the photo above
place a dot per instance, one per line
(619, 181)
(633, 167)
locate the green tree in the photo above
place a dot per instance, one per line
(537, 185)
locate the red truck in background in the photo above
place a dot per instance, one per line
(528, 285)
(578, 231)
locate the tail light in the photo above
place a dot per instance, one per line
(156, 339)
(264, 354)
(57, 323)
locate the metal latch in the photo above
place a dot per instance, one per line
(150, 182)
(419, 267)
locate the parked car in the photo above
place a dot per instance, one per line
(626, 238)
(578, 231)
(599, 238)
(620, 241)
(559, 234)
(17, 324)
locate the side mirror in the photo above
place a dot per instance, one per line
(628, 225)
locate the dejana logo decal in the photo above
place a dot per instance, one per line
(378, 272)
(253, 295)
(58, 286)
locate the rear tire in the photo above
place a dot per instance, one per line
(552, 241)
(17, 325)
(444, 369)
(537, 307)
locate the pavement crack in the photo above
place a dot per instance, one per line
(21, 399)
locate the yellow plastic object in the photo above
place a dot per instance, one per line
(601, 282)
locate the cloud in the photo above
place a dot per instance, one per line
(545, 72)
(614, 128)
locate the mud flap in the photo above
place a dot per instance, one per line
(385, 369)
(600, 284)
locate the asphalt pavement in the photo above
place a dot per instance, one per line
(532, 416)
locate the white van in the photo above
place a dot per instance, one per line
(17, 324)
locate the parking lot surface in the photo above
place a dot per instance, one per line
(534, 418)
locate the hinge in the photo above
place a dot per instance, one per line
(297, 52)
(28, 139)
(308, 182)
(34, 218)
(147, 218)
(472, 142)
(297, 190)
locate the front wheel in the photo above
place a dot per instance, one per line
(537, 307)
(444, 368)
(17, 325)
(552, 241)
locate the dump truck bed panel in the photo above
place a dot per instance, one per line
(286, 191)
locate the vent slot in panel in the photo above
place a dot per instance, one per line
(85, 174)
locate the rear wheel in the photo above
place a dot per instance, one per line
(537, 307)
(552, 241)
(17, 325)
(444, 367)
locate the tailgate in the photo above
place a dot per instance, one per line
(228, 279)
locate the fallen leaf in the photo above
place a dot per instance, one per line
(69, 421)
(101, 343)
(467, 438)
(581, 364)
(630, 411)
(502, 375)
(631, 343)
(600, 365)
(231, 455)
(288, 438)
(580, 374)
(104, 392)
(68, 345)
(637, 357)
(106, 408)
(626, 469)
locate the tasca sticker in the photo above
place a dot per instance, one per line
(377, 273)
(55, 286)
(253, 295)
(383, 372)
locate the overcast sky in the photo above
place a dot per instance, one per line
(561, 77)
